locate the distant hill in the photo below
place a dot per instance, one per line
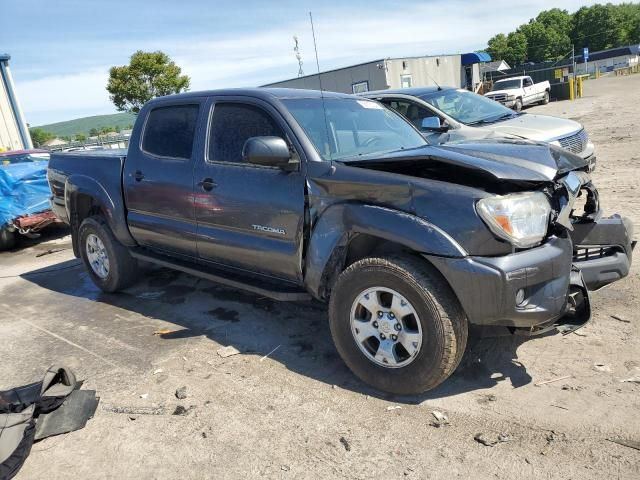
(85, 124)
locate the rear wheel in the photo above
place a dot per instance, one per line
(397, 324)
(545, 99)
(109, 263)
(7, 239)
(518, 105)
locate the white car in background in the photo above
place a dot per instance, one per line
(448, 114)
(518, 92)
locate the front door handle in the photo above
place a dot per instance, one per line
(138, 176)
(207, 184)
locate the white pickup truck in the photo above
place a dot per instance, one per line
(517, 92)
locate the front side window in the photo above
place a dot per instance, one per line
(341, 128)
(170, 131)
(413, 112)
(232, 124)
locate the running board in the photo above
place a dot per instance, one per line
(229, 279)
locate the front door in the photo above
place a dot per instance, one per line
(158, 179)
(248, 216)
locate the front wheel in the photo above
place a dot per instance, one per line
(518, 105)
(397, 324)
(108, 262)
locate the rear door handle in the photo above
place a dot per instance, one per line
(138, 176)
(207, 184)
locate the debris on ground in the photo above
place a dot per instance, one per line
(601, 367)
(625, 442)
(144, 395)
(345, 443)
(150, 295)
(553, 380)
(491, 440)
(136, 410)
(394, 407)
(181, 393)
(267, 355)
(157, 371)
(440, 419)
(163, 331)
(227, 351)
(552, 437)
(620, 319)
(182, 411)
(285, 468)
(490, 397)
(630, 380)
(50, 251)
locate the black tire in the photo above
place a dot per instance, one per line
(442, 319)
(545, 99)
(7, 239)
(123, 268)
(518, 105)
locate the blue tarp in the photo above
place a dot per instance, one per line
(23, 190)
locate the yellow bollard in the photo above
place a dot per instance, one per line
(580, 87)
(571, 91)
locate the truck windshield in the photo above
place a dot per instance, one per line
(506, 85)
(467, 107)
(346, 128)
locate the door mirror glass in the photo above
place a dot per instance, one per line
(266, 151)
(432, 123)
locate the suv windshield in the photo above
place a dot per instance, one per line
(345, 128)
(506, 85)
(467, 107)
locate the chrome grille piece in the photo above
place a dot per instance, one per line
(498, 98)
(575, 143)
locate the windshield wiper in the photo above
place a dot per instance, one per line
(503, 116)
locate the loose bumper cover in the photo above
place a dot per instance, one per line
(546, 287)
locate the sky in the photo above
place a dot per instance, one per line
(61, 51)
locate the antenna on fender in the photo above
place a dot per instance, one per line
(324, 109)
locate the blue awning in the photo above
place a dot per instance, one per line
(475, 57)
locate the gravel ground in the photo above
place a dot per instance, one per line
(286, 406)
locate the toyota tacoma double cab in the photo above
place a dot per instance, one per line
(296, 194)
(518, 92)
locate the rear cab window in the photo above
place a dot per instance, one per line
(170, 131)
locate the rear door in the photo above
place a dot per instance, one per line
(248, 216)
(158, 178)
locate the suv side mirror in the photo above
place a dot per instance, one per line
(433, 124)
(267, 151)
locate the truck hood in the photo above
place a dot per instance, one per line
(542, 128)
(499, 159)
(512, 91)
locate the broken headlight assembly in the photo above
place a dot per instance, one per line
(520, 218)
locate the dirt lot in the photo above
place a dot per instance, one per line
(286, 407)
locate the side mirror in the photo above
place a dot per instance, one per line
(433, 124)
(267, 151)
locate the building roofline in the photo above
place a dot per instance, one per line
(326, 71)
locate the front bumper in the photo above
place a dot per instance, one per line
(554, 278)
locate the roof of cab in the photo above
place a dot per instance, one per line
(262, 93)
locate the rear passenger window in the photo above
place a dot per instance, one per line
(170, 130)
(232, 124)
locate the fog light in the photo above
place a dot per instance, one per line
(520, 297)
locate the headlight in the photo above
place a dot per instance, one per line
(520, 218)
(511, 97)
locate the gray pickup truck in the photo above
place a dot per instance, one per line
(296, 194)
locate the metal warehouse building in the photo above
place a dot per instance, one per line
(452, 70)
(14, 134)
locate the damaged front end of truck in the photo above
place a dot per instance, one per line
(528, 285)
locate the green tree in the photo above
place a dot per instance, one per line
(498, 47)
(80, 137)
(597, 27)
(148, 75)
(545, 43)
(94, 132)
(517, 48)
(39, 136)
